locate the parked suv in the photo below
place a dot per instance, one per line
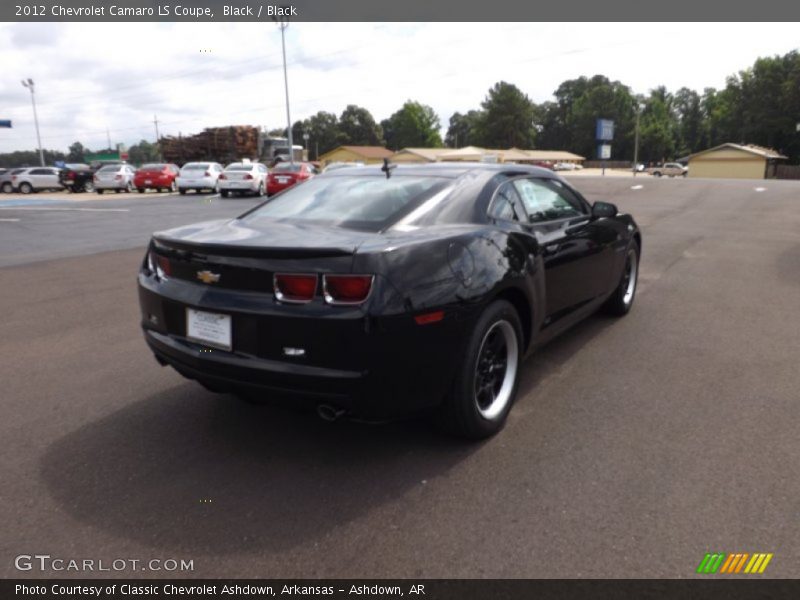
(36, 179)
(244, 177)
(5, 180)
(114, 177)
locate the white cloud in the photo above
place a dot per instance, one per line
(90, 77)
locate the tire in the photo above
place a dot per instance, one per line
(182, 191)
(88, 187)
(479, 400)
(7, 188)
(129, 187)
(657, 174)
(684, 174)
(140, 190)
(173, 187)
(260, 191)
(25, 188)
(621, 300)
(100, 191)
(224, 193)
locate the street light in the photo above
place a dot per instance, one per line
(28, 83)
(283, 23)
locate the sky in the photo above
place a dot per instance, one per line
(91, 78)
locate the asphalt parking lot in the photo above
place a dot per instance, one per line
(636, 445)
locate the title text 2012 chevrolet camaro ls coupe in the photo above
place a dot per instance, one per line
(377, 291)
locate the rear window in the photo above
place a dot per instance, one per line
(152, 167)
(286, 168)
(352, 202)
(239, 167)
(110, 168)
(196, 166)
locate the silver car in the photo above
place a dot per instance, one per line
(114, 177)
(36, 179)
(5, 180)
(198, 176)
(244, 177)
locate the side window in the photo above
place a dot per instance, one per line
(502, 206)
(546, 200)
(39, 172)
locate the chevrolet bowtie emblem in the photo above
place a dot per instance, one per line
(208, 276)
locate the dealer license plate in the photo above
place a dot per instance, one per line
(283, 179)
(148, 181)
(208, 328)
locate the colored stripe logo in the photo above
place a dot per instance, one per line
(738, 562)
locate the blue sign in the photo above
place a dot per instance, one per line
(6, 123)
(605, 130)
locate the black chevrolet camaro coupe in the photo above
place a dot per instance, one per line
(375, 292)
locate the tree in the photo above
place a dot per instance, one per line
(143, 152)
(657, 132)
(507, 119)
(359, 128)
(76, 153)
(689, 111)
(415, 125)
(463, 129)
(324, 132)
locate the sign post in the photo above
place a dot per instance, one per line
(604, 132)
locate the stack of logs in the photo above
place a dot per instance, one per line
(218, 144)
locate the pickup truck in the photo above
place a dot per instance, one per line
(671, 169)
(77, 177)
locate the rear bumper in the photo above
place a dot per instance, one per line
(374, 368)
(196, 184)
(239, 186)
(155, 182)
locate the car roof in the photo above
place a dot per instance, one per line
(447, 169)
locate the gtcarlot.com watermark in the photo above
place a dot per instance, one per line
(45, 563)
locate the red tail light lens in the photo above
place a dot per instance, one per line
(117, 177)
(294, 287)
(206, 174)
(160, 265)
(223, 176)
(247, 176)
(346, 289)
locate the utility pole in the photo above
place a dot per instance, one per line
(108, 137)
(636, 140)
(283, 23)
(155, 122)
(29, 84)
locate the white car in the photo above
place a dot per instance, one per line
(199, 176)
(243, 177)
(114, 177)
(36, 179)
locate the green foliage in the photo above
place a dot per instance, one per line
(508, 118)
(463, 129)
(415, 125)
(143, 152)
(30, 158)
(358, 128)
(76, 152)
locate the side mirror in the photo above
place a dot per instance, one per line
(604, 209)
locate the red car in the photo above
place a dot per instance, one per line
(157, 176)
(285, 175)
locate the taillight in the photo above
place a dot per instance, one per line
(222, 176)
(247, 176)
(294, 287)
(118, 177)
(206, 174)
(160, 265)
(346, 289)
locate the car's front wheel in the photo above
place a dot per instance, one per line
(621, 300)
(486, 381)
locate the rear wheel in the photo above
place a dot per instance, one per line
(657, 174)
(224, 193)
(25, 188)
(88, 187)
(486, 381)
(173, 187)
(140, 190)
(260, 191)
(182, 191)
(100, 191)
(621, 300)
(7, 188)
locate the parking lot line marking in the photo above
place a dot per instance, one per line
(66, 209)
(636, 187)
(9, 220)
